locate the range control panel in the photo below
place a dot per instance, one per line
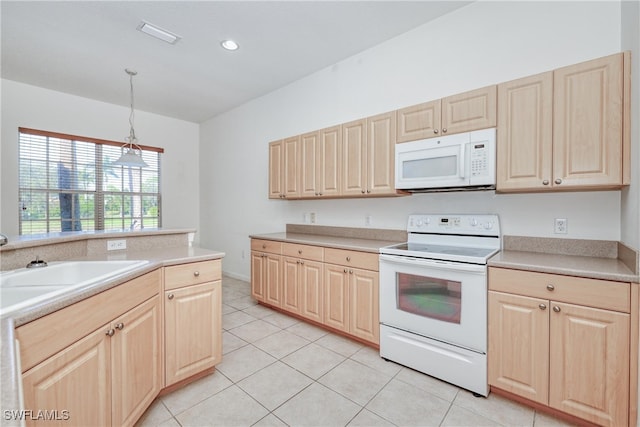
(474, 225)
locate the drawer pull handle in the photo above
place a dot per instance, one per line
(345, 270)
(110, 332)
(120, 326)
(302, 262)
(550, 287)
(542, 307)
(196, 273)
(556, 309)
(348, 258)
(264, 246)
(350, 271)
(298, 262)
(545, 182)
(558, 181)
(299, 251)
(170, 296)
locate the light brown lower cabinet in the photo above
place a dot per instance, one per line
(351, 301)
(108, 377)
(333, 287)
(302, 281)
(574, 358)
(193, 330)
(193, 319)
(266, 271)
(100, 361)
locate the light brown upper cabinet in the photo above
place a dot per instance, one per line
(463, 112)
(368, 156)
(320, 163)
(524, 134)
(566, 129)
(284, 168)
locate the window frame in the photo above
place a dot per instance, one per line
(99, 193)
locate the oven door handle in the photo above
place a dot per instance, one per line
(443, 265)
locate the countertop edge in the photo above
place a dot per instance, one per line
(356, 244)
(539, 263)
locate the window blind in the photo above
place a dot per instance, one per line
(69, 183)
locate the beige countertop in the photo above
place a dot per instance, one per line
(571, 265)
(349, 243)
(160, 257)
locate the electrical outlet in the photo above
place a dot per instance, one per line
(560, 226)
(312, 217)
(116, 245)
(367, 220)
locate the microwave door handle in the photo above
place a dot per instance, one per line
(462, 166)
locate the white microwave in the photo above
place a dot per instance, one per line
(465, 161)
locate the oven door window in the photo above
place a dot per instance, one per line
(430, 297)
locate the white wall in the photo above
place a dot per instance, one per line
(33, 107)
(630, 39)
(481, 44)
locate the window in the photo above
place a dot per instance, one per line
(69, 183)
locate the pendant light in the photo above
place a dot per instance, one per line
(132, 157)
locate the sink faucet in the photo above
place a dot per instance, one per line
(3, 239)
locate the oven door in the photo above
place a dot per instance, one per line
(442, 300)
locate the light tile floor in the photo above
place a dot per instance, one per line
(277, 370)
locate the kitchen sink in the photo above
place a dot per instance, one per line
(20, 288)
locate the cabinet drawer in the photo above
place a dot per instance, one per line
(575, 290)
(364, 260)
(177, 276)
(266, 246)
(314, 253)
(50, 334)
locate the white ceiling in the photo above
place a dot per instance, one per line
(82, 47)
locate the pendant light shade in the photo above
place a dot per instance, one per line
(132, 156)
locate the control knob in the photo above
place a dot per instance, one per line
(488, 226)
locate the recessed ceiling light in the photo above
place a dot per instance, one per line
(158, 32)
(229, 44)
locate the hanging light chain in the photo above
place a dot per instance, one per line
(132, 132)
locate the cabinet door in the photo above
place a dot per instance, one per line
(363, 305)
(524, 135)
(354, 155)
(469, 111)
(311, 286)
(276, 176)
(519, 345)
(309, 173)
(587, 124)
(329, 159)
(193, 325)
(136, 369)
(291, 284)
(76, 380)
(291, 167)
(272, 282)
(381, 134)
(258, 262)
(336, 297)
(418, 121)
(589, 358)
